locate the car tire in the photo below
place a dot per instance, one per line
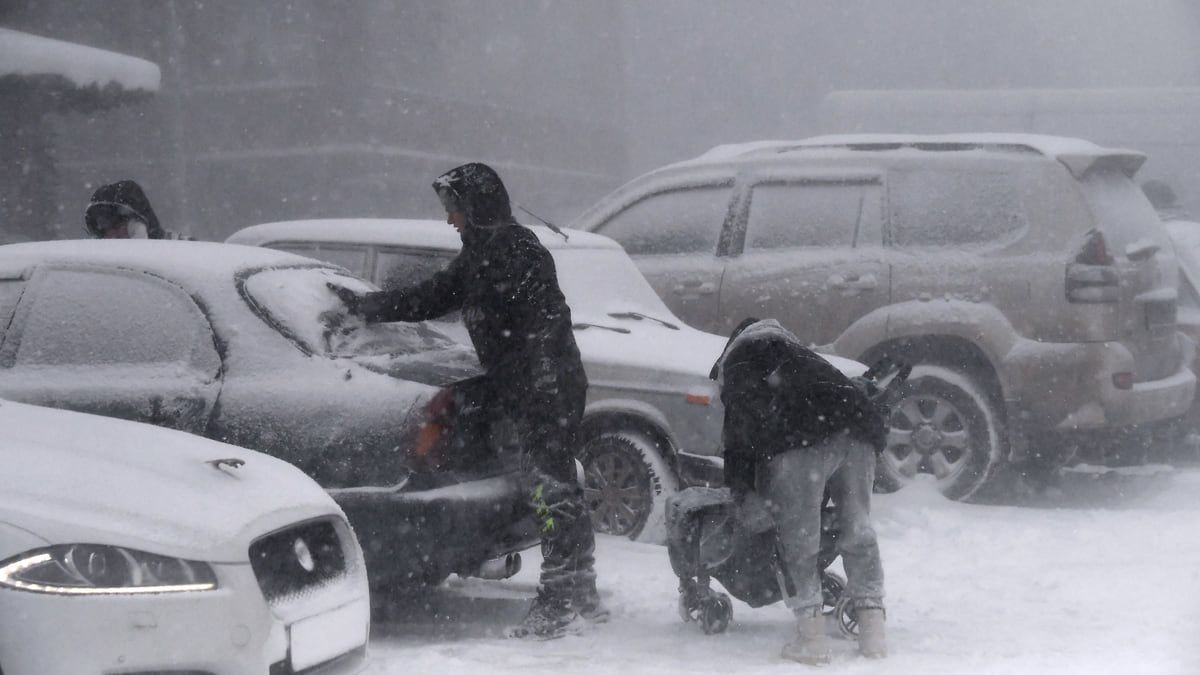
(626, 485)
(943, 424)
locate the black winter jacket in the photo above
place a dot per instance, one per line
(506, 285)
(780, 396)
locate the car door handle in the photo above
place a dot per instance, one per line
(865, 282)
(695, 287)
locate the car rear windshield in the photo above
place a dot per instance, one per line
(297, 302)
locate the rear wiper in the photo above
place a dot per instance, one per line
(639, 316)
(615, 329)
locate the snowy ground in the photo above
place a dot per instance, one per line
(1101, 578)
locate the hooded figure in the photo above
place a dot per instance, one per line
(121, 211)
(505, 283)
(795, 428)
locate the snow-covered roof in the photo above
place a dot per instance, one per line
(1076, 154)
(83, 76)
(394, 231)
(197, 262)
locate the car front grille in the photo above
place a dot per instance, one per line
(291, 561)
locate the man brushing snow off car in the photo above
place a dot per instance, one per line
(506, 285)
(796, 427)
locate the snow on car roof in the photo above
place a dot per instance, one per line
(193, 260)
(407, 231)
(1076, 154)
(27, 54)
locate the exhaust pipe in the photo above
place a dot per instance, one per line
(500, 568)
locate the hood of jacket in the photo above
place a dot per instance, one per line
(475, 189)
(748, 329)
(125, 193)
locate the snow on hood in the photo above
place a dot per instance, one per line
(26, 54)
(77, 478)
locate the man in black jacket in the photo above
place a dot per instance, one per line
(795, 426)
(506, 285)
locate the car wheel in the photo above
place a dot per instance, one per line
(626, 485)
(941, 424)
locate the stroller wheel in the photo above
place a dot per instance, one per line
(847, 622)
(832, 587)
(688, 609)
(715, 613)
(690, 596)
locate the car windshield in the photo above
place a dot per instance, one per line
(600, 283)
(297, 302)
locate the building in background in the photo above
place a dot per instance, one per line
(40, 77)
(309, 108)
(271, 111)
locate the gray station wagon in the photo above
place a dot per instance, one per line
(1027, 277)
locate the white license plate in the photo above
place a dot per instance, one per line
(320, 638)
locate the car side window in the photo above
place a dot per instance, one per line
(686, 220)
(961, 208)
(804, 214)
(93, 317)
(353, 258)
(397, 268)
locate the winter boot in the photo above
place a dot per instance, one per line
(588, 604)
(811, 646)
(548, 618)
(872, 641)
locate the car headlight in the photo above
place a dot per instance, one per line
(91, 569)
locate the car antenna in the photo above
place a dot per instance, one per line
(545, 222)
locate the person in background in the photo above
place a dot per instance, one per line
(121, 211)
(795, 427)
(505, 283)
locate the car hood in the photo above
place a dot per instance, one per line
(612, 348)
(77, 478)
(645, 346)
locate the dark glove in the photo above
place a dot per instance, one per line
(753, 515)
(347, 296)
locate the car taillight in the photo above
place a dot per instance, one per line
(429, 449)
(1095, 250)
(1093, 276)
(1122, 380)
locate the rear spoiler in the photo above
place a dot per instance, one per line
(1126, 161)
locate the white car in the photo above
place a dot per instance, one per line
(653, 418)
(130, 548)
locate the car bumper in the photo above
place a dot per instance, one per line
(1070, 388)
(228, 631)
(411, 538)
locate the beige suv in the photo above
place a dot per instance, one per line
(1027, 277)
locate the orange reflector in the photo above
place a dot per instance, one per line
(698, 399)
(1123, 380)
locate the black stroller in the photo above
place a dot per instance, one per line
(704, 543)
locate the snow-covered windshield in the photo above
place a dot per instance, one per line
(598, 282)
(297, 302)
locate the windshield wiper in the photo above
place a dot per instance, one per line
(615, 329)
(639, 316)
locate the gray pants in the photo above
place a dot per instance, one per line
(794, 485)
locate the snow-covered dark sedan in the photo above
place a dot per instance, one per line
(249, 346)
